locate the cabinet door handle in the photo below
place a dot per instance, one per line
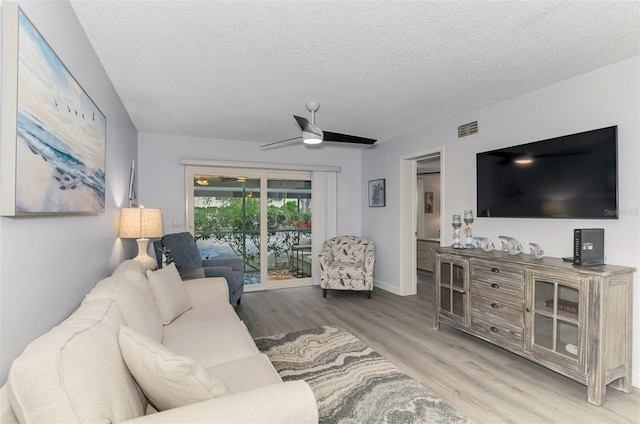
(495, 286)
(496, 270)
(528, 309)
(495, 329)
(495, 305)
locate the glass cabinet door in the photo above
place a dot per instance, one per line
(556, 325)
(453, 288)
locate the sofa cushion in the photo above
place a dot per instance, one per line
(168, 380)
(131, 291)
(213, 344)
(169, 292)
(75, 373)
(246, 373)
(129, 265)
(183, 250)
(350, 271)
(202, 316)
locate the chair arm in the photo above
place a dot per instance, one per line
(235, 280)
(237, 264)
(326, 256)
(218, 271)
(291, 402)
(204, 291)
(369, 259)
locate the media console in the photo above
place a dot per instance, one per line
(573, 320)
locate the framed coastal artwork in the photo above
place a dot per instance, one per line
(377, 193)
(53, 145)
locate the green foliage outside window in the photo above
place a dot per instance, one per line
(237, 222)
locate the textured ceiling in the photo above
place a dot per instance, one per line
(240, 69)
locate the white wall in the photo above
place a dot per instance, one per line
(49, 263)
(161, 180)
(608, 96)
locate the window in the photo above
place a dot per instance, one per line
(264, 216)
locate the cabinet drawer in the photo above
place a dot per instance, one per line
(497, 309)
(500, 279)
(497, 332)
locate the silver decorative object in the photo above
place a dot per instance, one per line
(483, 243)
(536, 250)
(511, 245)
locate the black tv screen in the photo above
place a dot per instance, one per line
(574, 176)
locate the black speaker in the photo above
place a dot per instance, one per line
(588, 246)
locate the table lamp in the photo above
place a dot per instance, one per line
(141, 224)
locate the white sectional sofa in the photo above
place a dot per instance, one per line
(142, 343)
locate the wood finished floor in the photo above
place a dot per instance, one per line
(484, 382)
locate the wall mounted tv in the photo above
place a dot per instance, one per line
(574, 176)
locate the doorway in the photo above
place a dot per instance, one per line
(428, 192)
(261, 216)
(411, 202)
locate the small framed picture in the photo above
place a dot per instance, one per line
(377, 193)
(428, 202)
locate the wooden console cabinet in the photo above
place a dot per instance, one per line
(573, 320)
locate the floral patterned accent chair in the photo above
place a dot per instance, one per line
(346, 263)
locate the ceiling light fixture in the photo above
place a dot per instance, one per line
(311, 138)
(523, 160)
(242, 179)
(202, 182)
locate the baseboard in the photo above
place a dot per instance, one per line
(377, 284)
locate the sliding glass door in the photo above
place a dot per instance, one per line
(261, 216)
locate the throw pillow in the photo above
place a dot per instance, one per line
(169, 292)
(167, 380)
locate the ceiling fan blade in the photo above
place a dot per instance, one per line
(307, 126)
(344, 138)
(278, 142)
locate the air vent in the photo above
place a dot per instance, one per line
(468, 129)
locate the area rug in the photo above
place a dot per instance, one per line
(352, 383)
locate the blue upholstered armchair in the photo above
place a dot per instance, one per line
(185, 254)
(346, 263)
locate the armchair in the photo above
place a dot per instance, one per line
(185, 254)
(346, 263)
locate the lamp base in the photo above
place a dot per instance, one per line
(143, 257)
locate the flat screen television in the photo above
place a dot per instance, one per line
(574, 176)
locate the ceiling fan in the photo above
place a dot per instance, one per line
(311, 134)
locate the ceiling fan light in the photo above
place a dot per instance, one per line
(310, 138)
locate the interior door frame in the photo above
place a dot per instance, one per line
(408, 216)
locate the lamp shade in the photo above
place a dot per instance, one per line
(140, 223)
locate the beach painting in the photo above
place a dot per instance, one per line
(60, 134)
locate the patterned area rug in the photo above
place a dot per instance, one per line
(352, 383)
